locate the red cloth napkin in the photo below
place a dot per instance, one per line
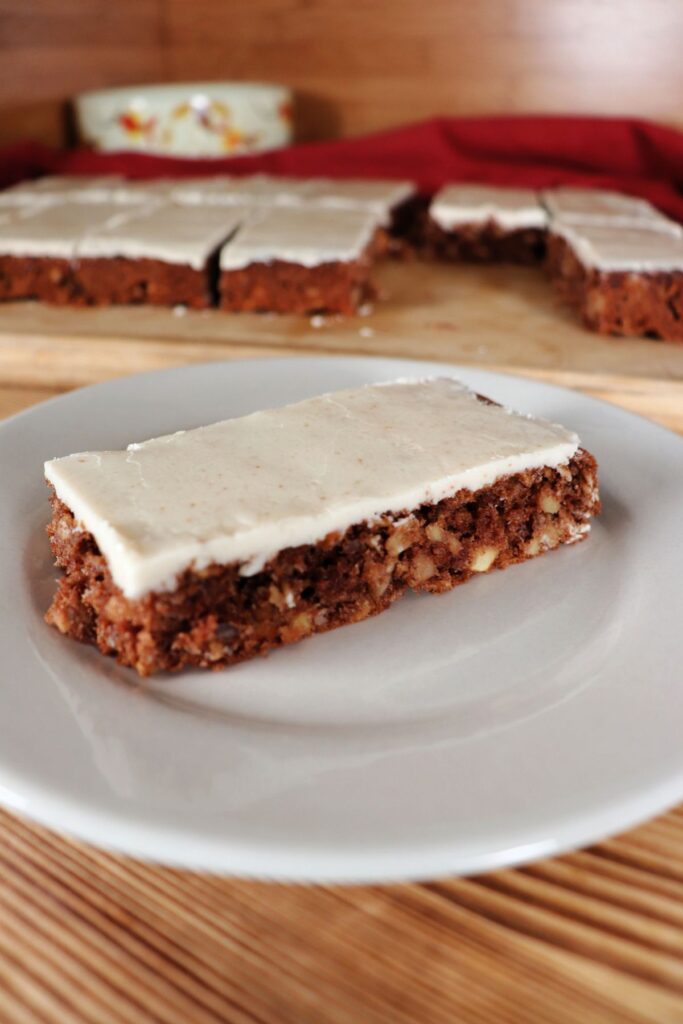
(629, 155)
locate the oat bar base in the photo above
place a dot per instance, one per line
(104, 282)
(628, 303)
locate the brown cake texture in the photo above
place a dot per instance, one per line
(614, 302)
(216, 617)
(35, 277)
(104, 281)
(405, 234)
(485, 242)
(122, 281)
(282, 287)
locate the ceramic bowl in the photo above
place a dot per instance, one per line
(193, 119)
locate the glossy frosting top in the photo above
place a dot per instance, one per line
(301, 235)
(598, 206)
(509, 208)
(170, 232)
(616, 248)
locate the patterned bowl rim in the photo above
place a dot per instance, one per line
(160, 92)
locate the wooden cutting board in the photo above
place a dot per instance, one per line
(502, 318)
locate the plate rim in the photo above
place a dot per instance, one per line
(371, 867)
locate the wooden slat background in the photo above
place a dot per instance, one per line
(355, 66)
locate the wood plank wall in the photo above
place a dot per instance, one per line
(357, 65)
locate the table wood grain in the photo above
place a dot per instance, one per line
(87, 937)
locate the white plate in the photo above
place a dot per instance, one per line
(525, 713)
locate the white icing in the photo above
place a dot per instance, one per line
(244, 489)
(170, 232)
(611, 247)
(74, 184)
(131, 193)
(510, 208)
(596, 206)
(301, 235)
(53, 229)
(256, 190)
(267, 187)
(377, 197)
(83, 189)
(201, 190)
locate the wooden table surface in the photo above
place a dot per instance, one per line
(594, 936)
